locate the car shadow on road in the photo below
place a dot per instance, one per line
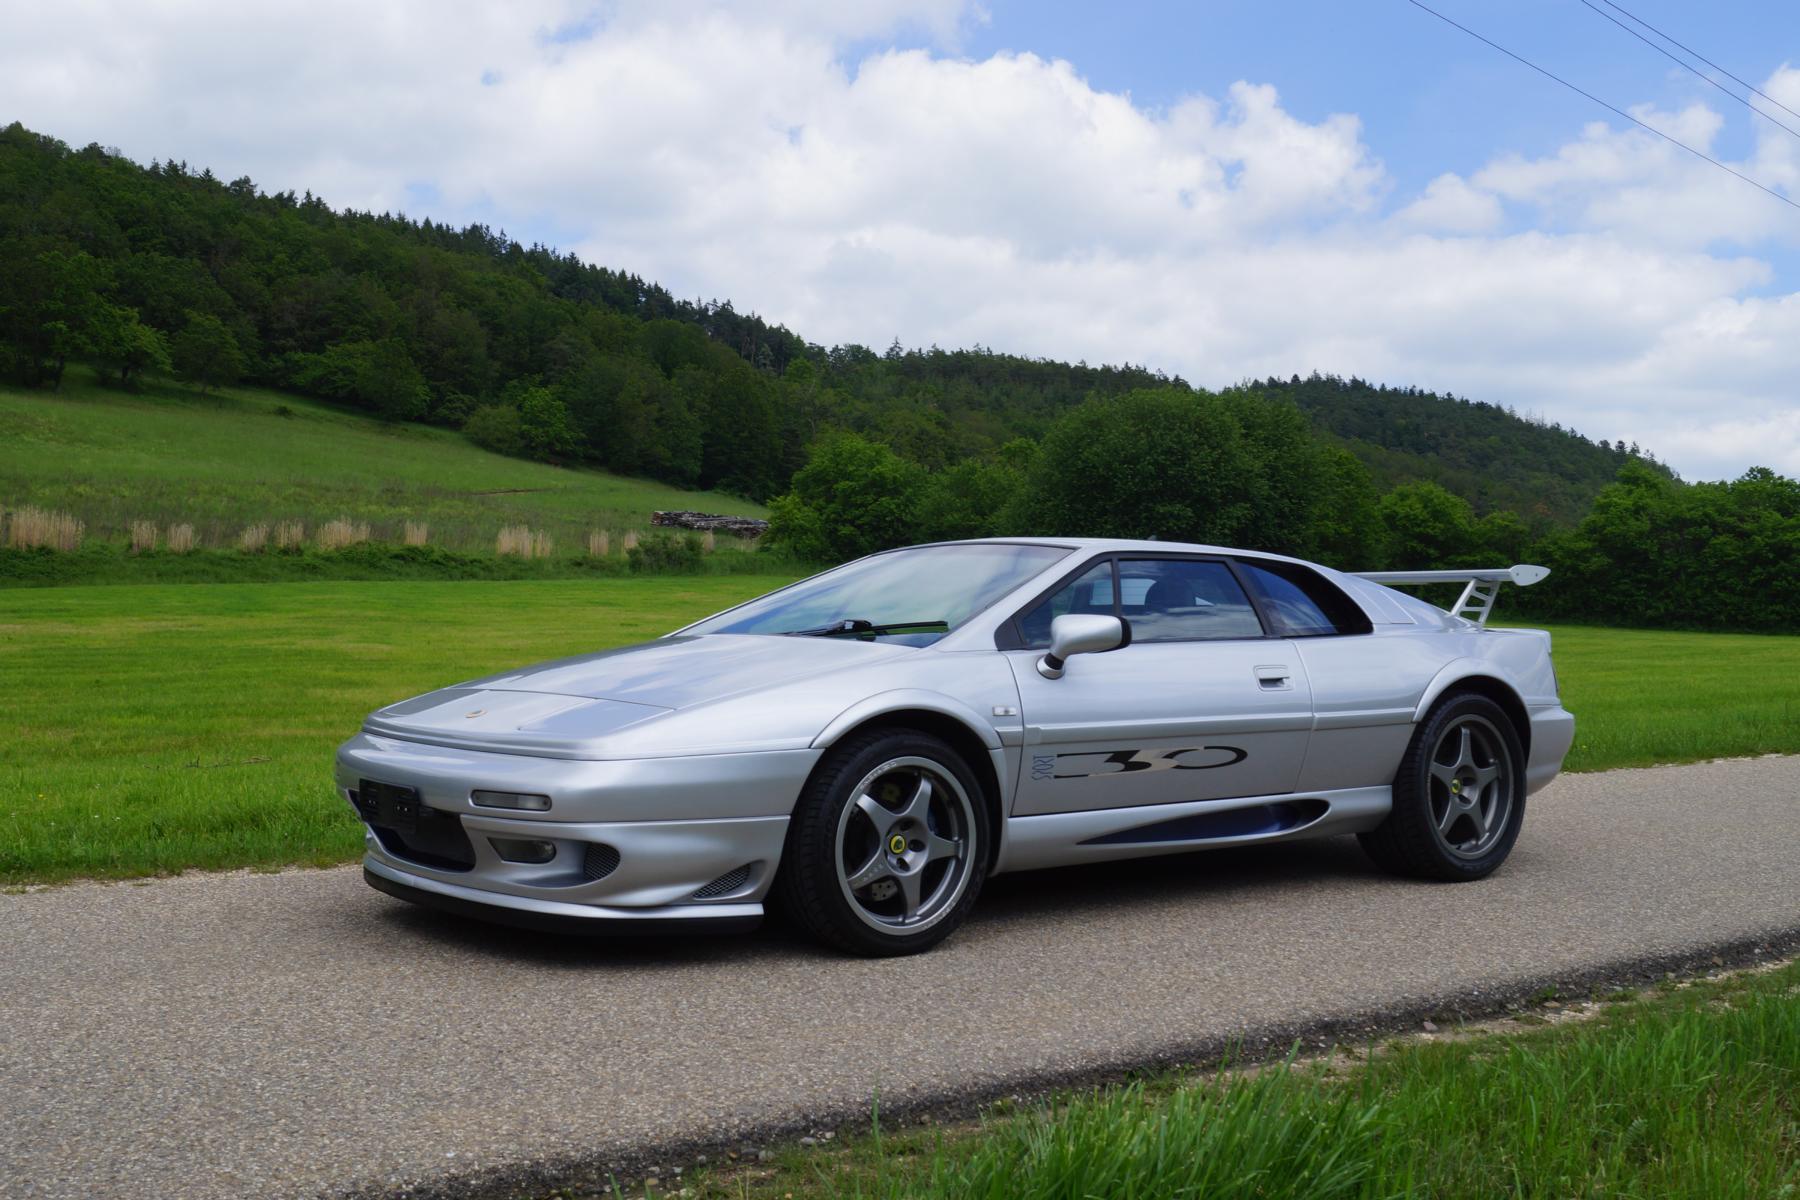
(1007, 900)
(1196, 875)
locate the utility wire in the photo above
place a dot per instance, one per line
(1709, 62)
(1691, 67)
(1700, 154)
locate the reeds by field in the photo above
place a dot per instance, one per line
(290, 535)
(335, 535)
(143, 536)
(33, 528)
(629, 541)
(253, 538)
(521, 541)
(418, 533)
(599, 543)
(182, 539)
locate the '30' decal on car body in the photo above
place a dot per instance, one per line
(1124, 762)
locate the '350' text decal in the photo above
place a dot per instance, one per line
(1124, 762)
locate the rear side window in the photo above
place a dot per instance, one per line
(1184, 600)
(1297, 603)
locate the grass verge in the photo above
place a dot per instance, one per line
(1684, 1091)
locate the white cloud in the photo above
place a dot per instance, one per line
(865, 194)
(1450, 205)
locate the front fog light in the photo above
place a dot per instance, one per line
(523, 850)
(511, 800)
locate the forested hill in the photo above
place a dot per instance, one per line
(162, 268)
(1483, 452)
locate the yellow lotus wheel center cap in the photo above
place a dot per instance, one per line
(897, 845)
(1456, 786)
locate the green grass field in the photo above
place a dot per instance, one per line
(1684, 1093)
(152, 728)
(221, 462)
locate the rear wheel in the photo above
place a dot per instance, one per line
(888, 845)
(1459, 796)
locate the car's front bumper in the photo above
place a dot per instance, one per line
(706, 859)
(556, 916)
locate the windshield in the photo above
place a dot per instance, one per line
(911, 597)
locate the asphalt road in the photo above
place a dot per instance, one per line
(290, 1034)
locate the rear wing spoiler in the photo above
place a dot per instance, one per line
(1480, 586)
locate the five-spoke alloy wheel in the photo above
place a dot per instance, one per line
(888, 846)
(1459, 796)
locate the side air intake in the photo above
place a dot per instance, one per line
(1254, 820)
(725, 884)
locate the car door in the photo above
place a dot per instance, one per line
(1202, 704)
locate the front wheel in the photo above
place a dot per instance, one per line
(1459, 796)
(888, 845)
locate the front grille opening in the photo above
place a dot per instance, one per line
(438, 842)
(725, 884)
(408, 829)
(599, 861)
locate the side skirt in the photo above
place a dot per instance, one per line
(1100, 835)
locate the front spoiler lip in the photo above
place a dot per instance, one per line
(558, 917)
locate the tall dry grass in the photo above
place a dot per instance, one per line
(181, 538)
(708, 543)
(290, 535)
(599, 543)
(143, 536)
(417, 533)
(629, 541)
(254, 538)
(521, 542)
(335, 535)
(35, 528)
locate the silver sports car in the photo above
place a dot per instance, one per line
(868, 745)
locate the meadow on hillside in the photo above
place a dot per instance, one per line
(244, 456)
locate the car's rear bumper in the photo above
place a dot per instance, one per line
(1552, 733)
(558, 916)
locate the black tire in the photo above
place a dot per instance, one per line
(825, 842)
(1434, 830)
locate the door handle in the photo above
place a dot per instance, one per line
(1274, 678)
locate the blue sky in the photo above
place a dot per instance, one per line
(1431, 98)
(1223, 190)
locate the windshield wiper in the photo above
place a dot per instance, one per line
(859, 626)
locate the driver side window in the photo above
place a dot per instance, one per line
(1092, 592)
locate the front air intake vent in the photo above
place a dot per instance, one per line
(600, 860)
(725, 884)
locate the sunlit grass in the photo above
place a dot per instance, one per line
(1691, 1094)
(154, 728)
(1642, 697)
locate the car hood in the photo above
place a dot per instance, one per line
(563, 706)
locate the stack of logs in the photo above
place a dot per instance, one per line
(745, 527)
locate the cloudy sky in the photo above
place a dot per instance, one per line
(1220, 189)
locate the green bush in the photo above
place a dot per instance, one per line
(667, 553)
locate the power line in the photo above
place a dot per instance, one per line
(1699, 154)
(1709, 62)
(1691, 67)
